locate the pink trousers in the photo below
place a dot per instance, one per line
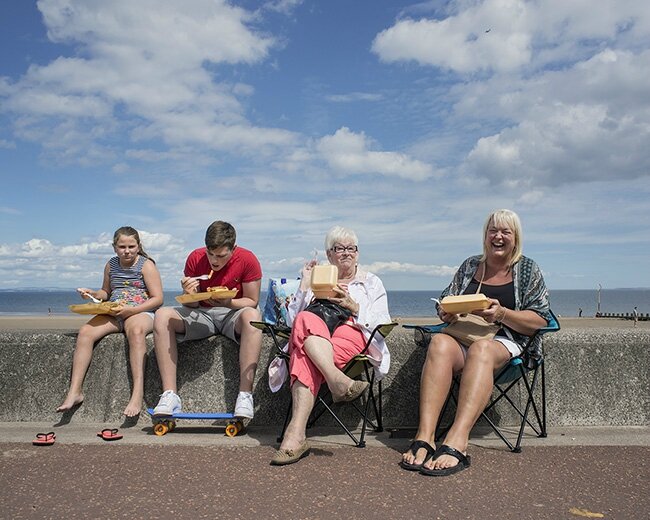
(347, 342)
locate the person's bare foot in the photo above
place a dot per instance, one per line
(446, 461)
(422, 451)
(70, 402)
(133, 408)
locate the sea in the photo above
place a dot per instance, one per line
(413, 304)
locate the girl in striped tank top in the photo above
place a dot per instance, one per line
(131, 279)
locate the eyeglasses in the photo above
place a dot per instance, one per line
(339, 250)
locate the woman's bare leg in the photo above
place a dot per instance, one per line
(89, 333)
(136, 329)
(302, 403)
(484, 358)
(444, 358)
(321, 354)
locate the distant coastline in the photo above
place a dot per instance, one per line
(72, 322)
(564, 302)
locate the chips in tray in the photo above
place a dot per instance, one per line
(217, 293)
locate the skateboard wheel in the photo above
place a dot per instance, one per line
(160, 429)
(232, 430)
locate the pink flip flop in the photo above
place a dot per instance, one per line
(44, 439)
(109, 434)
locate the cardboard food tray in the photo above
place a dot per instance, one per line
(95, 308)
(201, 296)
(464, 303)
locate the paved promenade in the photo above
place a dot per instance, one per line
(197, 472)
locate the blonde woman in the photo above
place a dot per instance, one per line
(519, 304)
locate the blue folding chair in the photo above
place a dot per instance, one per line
(514, 373)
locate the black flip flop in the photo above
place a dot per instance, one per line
(413, 448)
(464, 462)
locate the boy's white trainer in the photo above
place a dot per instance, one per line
(169, 404)
(244, 406)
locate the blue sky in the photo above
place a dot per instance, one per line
(408, 122)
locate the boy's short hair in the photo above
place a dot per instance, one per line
(220, 234)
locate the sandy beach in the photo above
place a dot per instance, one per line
(72, 322)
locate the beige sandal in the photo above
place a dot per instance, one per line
(354, 392)
(284, 457)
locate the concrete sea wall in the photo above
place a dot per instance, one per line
(594, 377)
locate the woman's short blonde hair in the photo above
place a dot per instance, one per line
(339, 234)
(505, 218)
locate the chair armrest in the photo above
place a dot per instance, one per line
(552, 326)
(431, 329)
(422, 333)
(277, 333)
(281, 331)
(385, 328)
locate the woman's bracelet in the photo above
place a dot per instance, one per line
(503, 315)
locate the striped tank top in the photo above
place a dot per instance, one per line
(127, 283)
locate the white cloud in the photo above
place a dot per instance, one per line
(218, 29)
(504, 35)
(348, 152)
(152, 64)
(587, 123)
(353, 97)
(283, 6)
(569, 106)
(41, 262)
(400, 267)
(487, 35)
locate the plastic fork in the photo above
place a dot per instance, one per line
(93, 299)
(204, 276)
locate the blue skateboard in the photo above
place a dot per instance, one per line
(166, 423)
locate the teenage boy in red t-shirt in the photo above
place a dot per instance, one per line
(228, 265)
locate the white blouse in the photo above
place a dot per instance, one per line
(368, 291)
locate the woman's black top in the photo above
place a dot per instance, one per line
(504, 293)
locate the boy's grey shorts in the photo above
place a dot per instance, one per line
(203, 322)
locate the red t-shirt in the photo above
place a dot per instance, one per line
(243, 267)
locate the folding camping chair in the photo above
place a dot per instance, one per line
(359, 367)
(511, 376)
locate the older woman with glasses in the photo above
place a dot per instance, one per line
(318, 355)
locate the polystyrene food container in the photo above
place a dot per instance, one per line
(464, 303)
(323, 280)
